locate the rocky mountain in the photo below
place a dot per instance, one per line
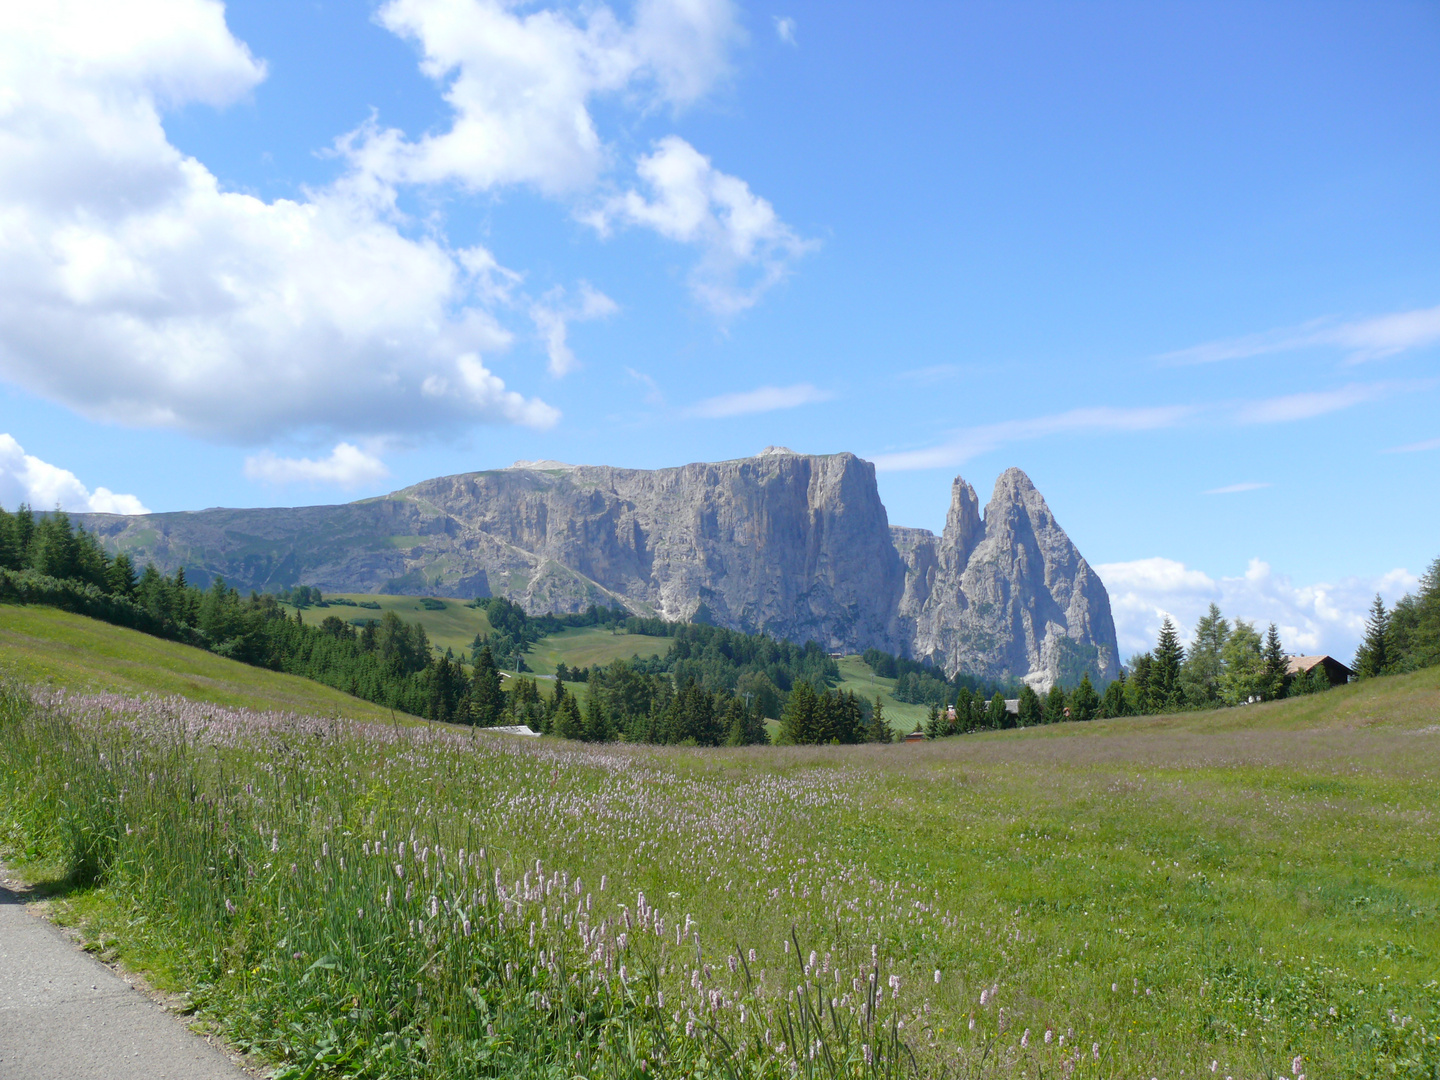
(796, 545)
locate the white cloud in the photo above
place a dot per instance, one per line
(745, 247)
(1366, 339)
(785, 29)
(24, 478)
(521, 85)
(971, 442)
(134, 289)
(1318, 618)
(1235, 489)
(1415, 447)
(553, 316)
(762, 399)
(347, 466)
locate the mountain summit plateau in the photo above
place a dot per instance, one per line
(796, 545)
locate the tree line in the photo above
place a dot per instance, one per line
(1405, 638)
(44, 559)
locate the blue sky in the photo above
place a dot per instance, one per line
(1178, 262)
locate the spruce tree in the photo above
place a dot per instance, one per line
(1084, 702)
(567, 721)
(597, 720)
(879, 731)
(1165, 688)
(1055, 705)
(1373, 657)
(1274, 678)
(487, 696)
(799, 722)
(1031, 711)
(997, 716)
(934, 729)
(1114, 702)
(964, 709)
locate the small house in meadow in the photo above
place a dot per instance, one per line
(1335, 671)
(915, 736)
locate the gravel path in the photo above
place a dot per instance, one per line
(66, 1016)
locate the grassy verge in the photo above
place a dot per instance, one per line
(1258, 889)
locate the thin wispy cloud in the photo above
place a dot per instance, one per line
(1415, 447)
(653, 395)
(968, 443)
(971, 442)
(760, 400)
(1365, 339)
(785, 29)
(1235, 489)
(1310, 404)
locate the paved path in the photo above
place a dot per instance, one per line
(66, 1016)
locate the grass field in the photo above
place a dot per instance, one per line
(453, 628)
(46, 647)
(1256, 888)
(856, 676)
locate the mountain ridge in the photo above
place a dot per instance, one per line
(796, 545)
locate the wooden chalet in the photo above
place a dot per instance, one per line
(1335, 671)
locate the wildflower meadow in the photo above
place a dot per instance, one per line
(1117, 899)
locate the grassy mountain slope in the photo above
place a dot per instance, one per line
(46, 646)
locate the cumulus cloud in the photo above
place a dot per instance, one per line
(762, 399)
(1316, 618)
(553, 315)
(1365, 339)
(135, 289)
(745, 247)
(347, 466)
(785, 29)
(24, 478)
(521, 83)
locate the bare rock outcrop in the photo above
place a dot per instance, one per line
(797, 545)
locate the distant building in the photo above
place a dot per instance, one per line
(1335, 671)
(915, 736)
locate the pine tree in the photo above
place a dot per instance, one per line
(597, 720)
(1165, 689)
(1084, 702)
(1115, 703)
(1055, 705)
(1274, 679)
(879, 730)
(487, 697)
(1137, 687)
(799, 722)
(567, 721)
(964, 709)
(997, 715)
(1373, 657)
(934, 729)
(1031, 711)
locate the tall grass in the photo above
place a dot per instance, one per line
(352, 900)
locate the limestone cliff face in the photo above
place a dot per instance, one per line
(1008, 594)
(796, 545)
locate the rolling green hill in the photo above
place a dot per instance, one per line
(45, 646)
